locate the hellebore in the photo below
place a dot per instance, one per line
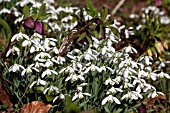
(31, 24)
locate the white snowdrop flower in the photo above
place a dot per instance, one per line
(152, 94)
(19, 36)
(153, 76)
(146, 59)
(71, 56)
(18, 20)
(15, 67)
(165, 20)
(51, 88)
(42, 55)
(26, 43)
(113, 90)
(28, 70)
(92, 67)
(38, 65)
(60, 59)
(130, 49)
(128, 62)
(109, 81)
(127, 85)
(110, 99)
(80, 95)
(133, 16)
(48, 72)
(133, 95)
(38, 82)
(56, 51)
(108, 51)
(14, 50)
(89, 55)
(4, 10)
(162, 75)
(74, 77)
(49, 42)
(60, 96)
(67, 18)
(48, 63)
(121, 27)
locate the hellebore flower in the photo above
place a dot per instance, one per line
(29, 23)
(39, 27)
(158, 3)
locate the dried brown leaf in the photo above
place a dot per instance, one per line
(35, 107)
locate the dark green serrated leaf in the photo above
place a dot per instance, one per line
(26, 11)
(47, 15)
(35, 16)
(42, 10)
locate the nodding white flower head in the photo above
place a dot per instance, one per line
(113, 90)
(51, 88)
(162, 75)
(15, 67)
(133, 95)
(28, 70)
(26, 43)
(49, 42)
(38, 82)
(74, 77)
(48, 72)
(14, 50)
(42, 55)
(130, 49)
(80, 95)
(19, 36)
(110, 99)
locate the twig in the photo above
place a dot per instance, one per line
(117, 7)
(72, 38)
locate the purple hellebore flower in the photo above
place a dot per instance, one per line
(29, 23)
(158, 3)
(39, 27)
(103, 34)
(98, 21)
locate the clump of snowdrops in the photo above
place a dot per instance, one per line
(90, 72)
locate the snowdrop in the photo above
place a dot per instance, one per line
(13, 50)
(19, 36)
(79, 94)
(110, 98)
(60, 96)
(48, 72)
(51, 88)
(49, 42)
(133, 95)
(113, 90)
(130, 49)
(38, 82)
(92, 67)
(42, 55)
(28, 70)
(15, 67)
(162, 75)
(75, 77)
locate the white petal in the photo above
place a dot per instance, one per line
(25, 43)
(104, 100)
(87, 94)
(42, 82)
(55, 98)
(75, 97)
(54, 72)
(33, 84)
(81, 77)
(68, 78)
(7, 54)
(45, 91)
(116, 100)
(43, 74)
(14, 37)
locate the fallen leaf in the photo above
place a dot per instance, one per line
(35, 107)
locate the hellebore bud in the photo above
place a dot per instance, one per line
(29, 23)
(39, 27)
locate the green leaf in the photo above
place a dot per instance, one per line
(26, 11)
(6, 27)
(47, 15)
(5, 105)
(42, 10)
(88, 38)
(49, 98)
(115, 30)
(81, 36)
(92, 11)
(83, 104)
(117, 110)
(104, 13)
(35, 16)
